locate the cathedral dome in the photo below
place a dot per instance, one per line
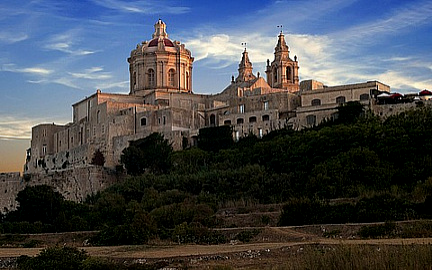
(167, 42)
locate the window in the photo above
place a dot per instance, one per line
(241, 108)
(187, 80)
(266, 105)
(240, 121)
(151, 77)
(364, 97)
(252, 119)
(288, 74)
(311, 120)
(265, 117)
(260, 132)
(98, 117)
(164, 120)
(316, 102)
(94, 131)
(103, 129)
(134, 78)
(212, 120)
(227, 122)
(340, 100)
(143, 121)
(171, 77)
(44, 149)
(275, 76)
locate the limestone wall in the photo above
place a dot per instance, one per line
(74, 184)
(10, 185)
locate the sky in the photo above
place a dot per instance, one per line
(55, 53)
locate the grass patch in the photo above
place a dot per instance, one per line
(360, 257)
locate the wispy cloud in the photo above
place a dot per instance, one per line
(94, 73)
(66, 43)
(9, 38)
(17, 128)
(143, 7)
(32, 70)
(412, 14)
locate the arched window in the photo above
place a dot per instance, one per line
(311, 120)
(275, 76)
(240, 121)
(340, 100)
(151, 78)
(227, 122)
(98, 117)
(265, 117)
(288, 74)
(316, 102)
(171, 77)
(143, 121)
(364, 97)
(252, 119)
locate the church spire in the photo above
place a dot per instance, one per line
(160, 30)
(245, 69)
(281, 47)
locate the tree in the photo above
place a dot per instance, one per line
(215, 138)
(38, 203)
(152, 153)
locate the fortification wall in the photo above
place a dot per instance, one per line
(74, 184)
(10, 185)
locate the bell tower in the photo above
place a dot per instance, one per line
(245, 69)
(283, 71)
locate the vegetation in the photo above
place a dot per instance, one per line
(383, 169)
(360, 257)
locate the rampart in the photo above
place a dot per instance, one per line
(74, 184)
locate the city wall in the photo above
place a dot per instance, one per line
(74, 184)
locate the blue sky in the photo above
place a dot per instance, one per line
(54, 53)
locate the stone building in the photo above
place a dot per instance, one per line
(161, 100)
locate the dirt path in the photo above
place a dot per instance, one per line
(161, 252)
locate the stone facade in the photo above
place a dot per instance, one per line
(161, 100)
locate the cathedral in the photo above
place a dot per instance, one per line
(161, 100)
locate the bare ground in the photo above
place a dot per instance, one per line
(271, 247)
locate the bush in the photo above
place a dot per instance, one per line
(54, 258)
(378, 231)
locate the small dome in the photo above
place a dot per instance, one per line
(167, 42)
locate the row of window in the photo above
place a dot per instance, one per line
(339, 100)
(252, 119)
(144, 121)
(241, 108)
(151, 81)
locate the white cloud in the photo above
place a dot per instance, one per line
(14, 127)
(93, 73)
(395, 23)
(9, 38)
(31, 70)
(65, 43)
(143, 7)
